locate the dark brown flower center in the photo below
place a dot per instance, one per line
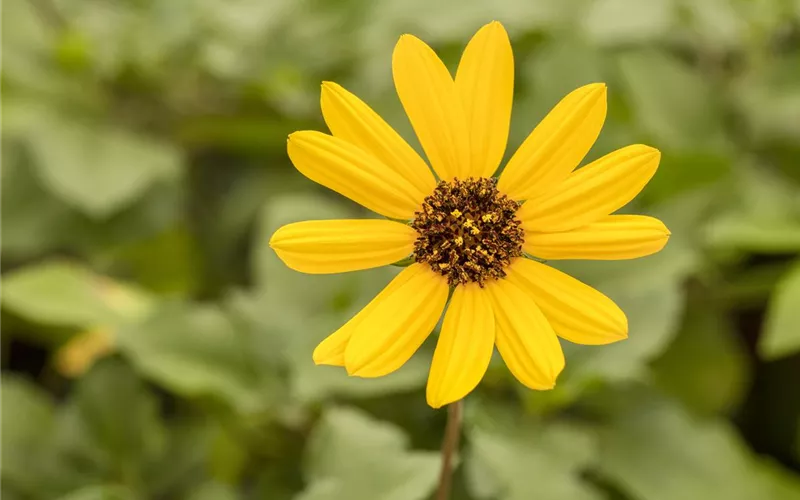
(468, 231)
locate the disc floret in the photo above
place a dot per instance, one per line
(468, 231)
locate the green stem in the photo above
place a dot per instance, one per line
(452, 433)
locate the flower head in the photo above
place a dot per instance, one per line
(469, 232)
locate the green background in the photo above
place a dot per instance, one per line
(144, 169)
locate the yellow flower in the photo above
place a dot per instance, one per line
(75, 357)
(468, 232)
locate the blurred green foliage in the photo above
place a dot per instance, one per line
(155, 348)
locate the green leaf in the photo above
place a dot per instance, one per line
(671, 101)
(142, 37)
(198, 351)
(26, 41)
(352, 456)
(28, 31)
(520, 462)
(706, 366)
(763, 217)
(779, 483)
(314, 291)
(609, 22)
(650, 292)
(755, 235)
(166, 262)
(797, 440)
(213, 491)
(62, 293)
(560, 67)
(33, 220)
(100, 493)
(555, 70)
(296, 311)
(9, 494)
(781, 335)
(714, 24)
(656, 451)
(454, 22)
(227, 456)
(100, 170)
(682, 171)
(751, 287)
(27, 428)
(185, 457)
(119, 416)
(313, 383)
(769, 99)
(47, 452)
(286, 335)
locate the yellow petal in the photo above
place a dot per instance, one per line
(524, 337)
(331, 350)
(80, 353)
(613, 237)
(337, 246)
(354, 173)
(428, 94)
(592, 192)
(557, 145)
(389, 333)
(577, 312)
(464, 348)
(349, 118)
(485, 84)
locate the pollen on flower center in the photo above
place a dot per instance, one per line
(468, 231)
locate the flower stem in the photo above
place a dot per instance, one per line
(452, 433)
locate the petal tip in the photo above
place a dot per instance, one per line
(598, 93)
(275, 239)
(409, 42)
(329, 86)
(624, 327)
(617, 335)
(649, 151)
(353, 369)
(496, 25)
(365, 372)
(326, 362)
(598, 89)
(433, 402)
(407, 38)
(320, 357)
(436, 399)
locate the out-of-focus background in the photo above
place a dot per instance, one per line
(153, 347)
